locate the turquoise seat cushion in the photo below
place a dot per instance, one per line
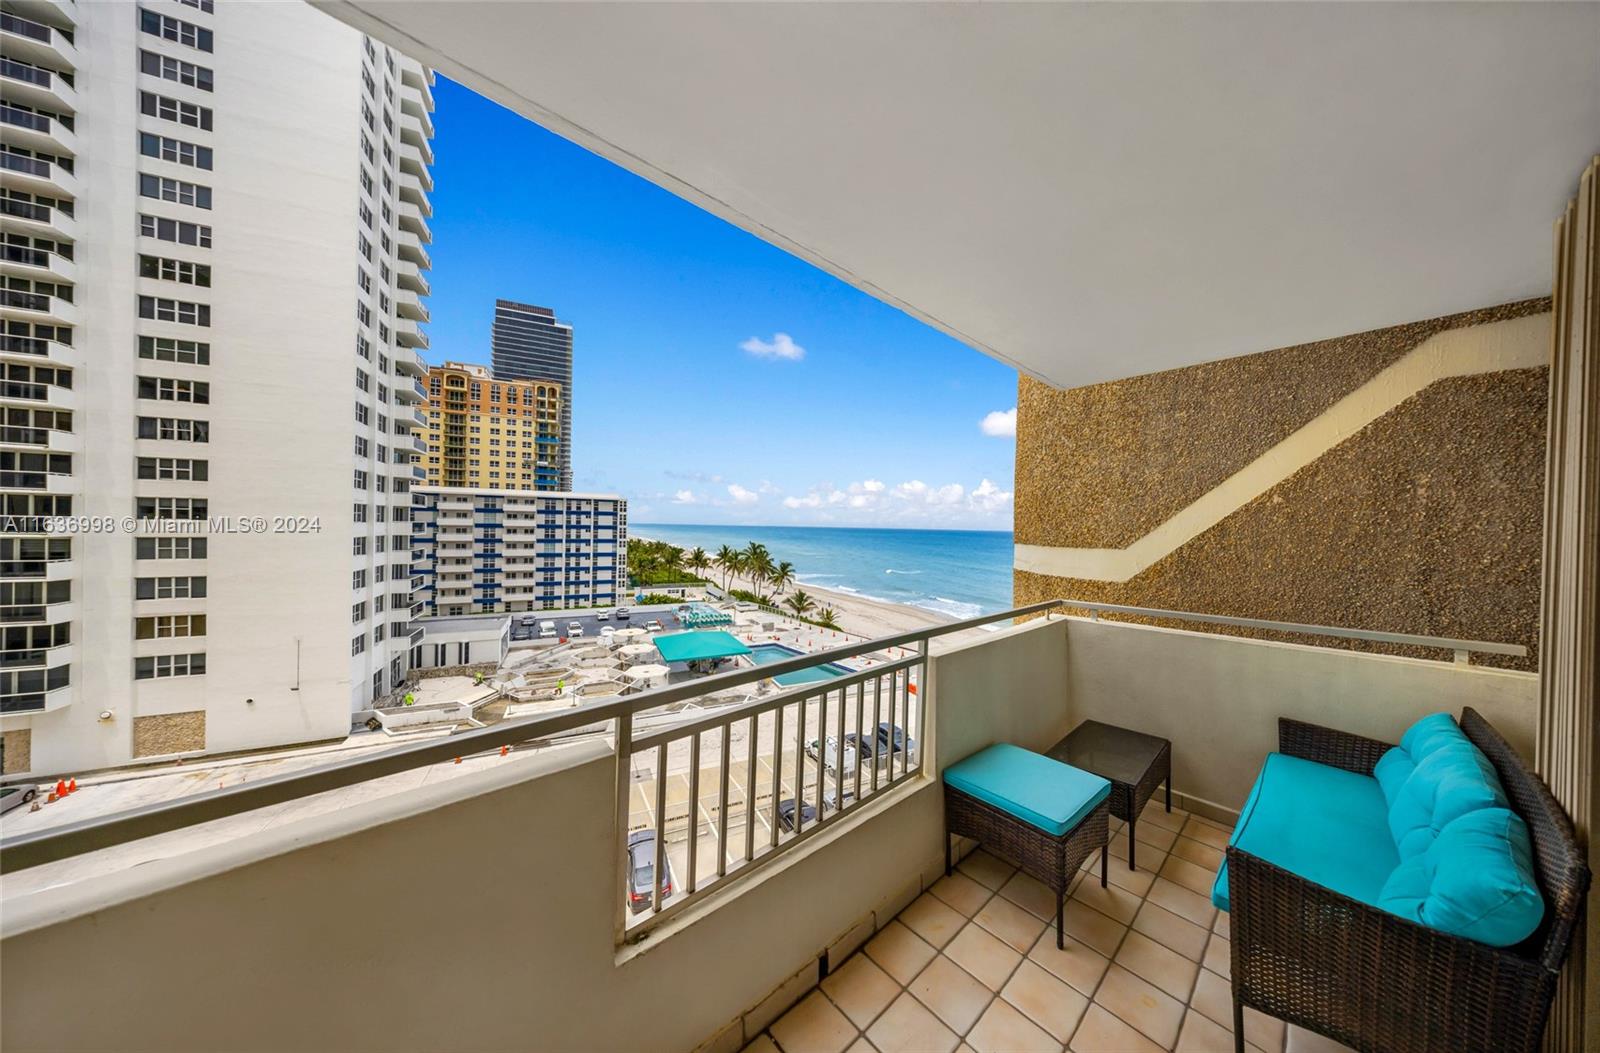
(1036, 789)
(1450, 781)
(1475, 879)
(1421, 739)
(1325, 824)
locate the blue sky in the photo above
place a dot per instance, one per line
(718, 379)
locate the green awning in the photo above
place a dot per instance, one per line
(687, 647)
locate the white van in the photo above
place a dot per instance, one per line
(547, 630)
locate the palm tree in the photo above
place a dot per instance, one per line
(828, 618)
(697, 560)
(782, 576)
(741, 565)
(725, 559)
(672, 561)
(800, 603)
(758, 564)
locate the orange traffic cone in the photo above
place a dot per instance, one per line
(61, 787)
(912, 688)
(72, 787)
(458, 760)
(504, 750)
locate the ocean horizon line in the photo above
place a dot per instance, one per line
(808, 526)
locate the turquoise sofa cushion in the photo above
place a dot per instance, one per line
(1474, 880)
(1451, 781)
(1323, 823)
(1420, 740)
(1036, 789)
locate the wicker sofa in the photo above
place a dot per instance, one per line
(1377, 981)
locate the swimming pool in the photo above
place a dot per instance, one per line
(767, 653)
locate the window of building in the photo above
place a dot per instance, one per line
(164, 229)
(168, 389)
(162, 309)
(169, 626)
(165, 665)
(175, 29)
(175, 190)
(181, 587)
(170, 507)
(180, 468)
(166, 148)
(169, 349)
(166, 108)
(183, 272)
(176, 70)
(170, 548)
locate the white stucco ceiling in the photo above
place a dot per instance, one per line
(1084, 191)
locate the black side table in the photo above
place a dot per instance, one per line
(1134, 763)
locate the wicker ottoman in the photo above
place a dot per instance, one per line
(1045, 816)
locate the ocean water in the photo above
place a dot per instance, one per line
(959, 573)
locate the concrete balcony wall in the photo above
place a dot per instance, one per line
(292, 908)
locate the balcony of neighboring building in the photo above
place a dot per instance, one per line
(38, 219)
(28, 40)
(34, 130)
(46, 308)
(408, 304)
(411, 220)
(408, 363)
(414, 162)
(38, 86)
(47, 265)
(411, 249)
(408, 275)
(36, 175)
(414, 108)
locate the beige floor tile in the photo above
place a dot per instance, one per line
(986, 869)
(962, 893)
(1219, 956)
(1220, 926)
(1202, 1035)
(1198, 853)
(1166, 928)
(1155, 813)
(1185, 903)
(1155, 835)
(929, 917)
(1031, 895)
(1045, 1000)
(1111, 901)
(1214, 997)
(1149, 856)
(815, 1025)
(861, 1045)
(1002, 1029)
(860, 989)
(901, 952)
(1135, 881)
(1078, 965)
(1011, 923)
(908, 1027)
(1086, 925)
(761, 1044)
(982, 954)
(1160, 965)
(1101, 1032)
(1196, 879)
(1299, 1040)
(1152, 1011)
(1205, 832)
(951, 992)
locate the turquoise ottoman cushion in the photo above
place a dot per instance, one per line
(1036, 789)
(1474, 880)
(1325, 824)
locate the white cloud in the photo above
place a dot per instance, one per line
(912, 490)
(685, 497)
(1000, 423)
(912, 501)
(741, 496)
(989, 497)
(780, 346)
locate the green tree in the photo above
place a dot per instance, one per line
(698, 561)
(781, 576)
(828, 618)
(726, 560)
(799, 602)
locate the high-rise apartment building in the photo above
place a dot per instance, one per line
(490, 552)
(486, 432)
(215, 220)
(529, 344)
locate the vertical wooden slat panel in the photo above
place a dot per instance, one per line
(1570, 606)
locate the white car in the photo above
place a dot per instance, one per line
(574, 628)
(622, 614)
(604, 616)
(652, 626)
(547, 630)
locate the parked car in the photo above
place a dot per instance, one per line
(786, 809)
(16, 796)
(652, 626)
(574, 628)
(641, 870)
(861, 746)
(547, 630)
(622, 614)
(830, 752)
(901, 743)
(604, 616)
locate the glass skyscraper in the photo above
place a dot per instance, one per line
(529, 344)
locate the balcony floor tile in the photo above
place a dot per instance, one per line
(972, 965)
